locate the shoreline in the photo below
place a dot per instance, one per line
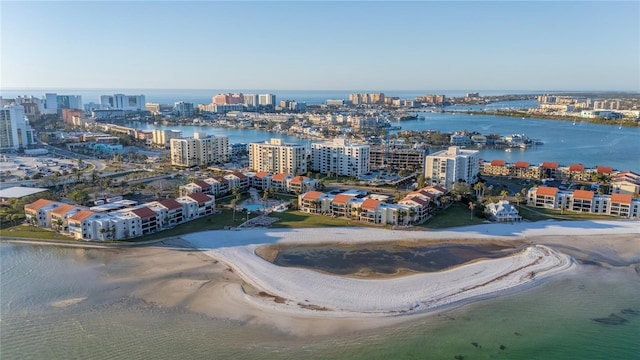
(184, 273)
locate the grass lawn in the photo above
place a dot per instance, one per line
(27, 231)
(299, 219)
(211, 222)
(457, 214)
(537, 214)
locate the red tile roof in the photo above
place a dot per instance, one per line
(297, 180)
(144, 213)
(38, 204)
(583, 195)
(422, 193)
(62, 209)
(521, 165)
(414, 199)
(200, 198)
(170, 204)
(311, 195)
(370, 204)
(341, 199)
(576, 167)
(621, 198)
(81, 215)
(497, 162)
(549, 165)
(604, 169)
(240, 175)
(261, 174)
(203, 184)
(546, 191)
(279, 177)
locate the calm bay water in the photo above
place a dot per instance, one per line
(551, 321)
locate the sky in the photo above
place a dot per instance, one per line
(303, 45)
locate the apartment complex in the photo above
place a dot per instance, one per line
(446, 167)
(14, 129)
(183, 108)
(623, 205)
(200, 150)
(382, 157)
(277, 157)
(162, 138)
(123, 102)
(340, 158)
(628, 181)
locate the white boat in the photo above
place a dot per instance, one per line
(507, 149)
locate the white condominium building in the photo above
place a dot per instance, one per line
(200, 150)
(163, 137)
(340, 158)
(14, 129)
(447, 167)
(123, 102)
(277, 157)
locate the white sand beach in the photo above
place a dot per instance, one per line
(301, 293)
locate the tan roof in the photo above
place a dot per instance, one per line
(279, 177)
(200, 197)
(170, 204)
(550, 165)
(341, 199)
(370, 204)
(546, 191)
(38, 204)
(576, 167)
(621, 198)
(144, 213)
(583, 195)
(62, 209)
(81, 215)
(497, 162)
(521, 165)
(311, 195)
(604, 169)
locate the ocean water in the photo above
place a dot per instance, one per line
(550, 321)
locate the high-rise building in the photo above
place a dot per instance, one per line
(123, 102)
(183, 108)
(54, 102)
(200, 150)
(163, 137)
(446, 167)
(277, 157)
(267, 100)
(340, 158)
(14, 130)
(251, 101)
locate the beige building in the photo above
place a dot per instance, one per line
(162, 138)
(200, 150)
(277, 157)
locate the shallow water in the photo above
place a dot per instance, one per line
(385, 259)
(551, 321)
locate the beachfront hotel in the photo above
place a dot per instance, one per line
(14, 129)
(447, 167)
(200, 150)
(277, 157)
(340, 158)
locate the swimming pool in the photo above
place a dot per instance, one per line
(253, 207)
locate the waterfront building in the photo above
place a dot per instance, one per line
(40, 211)
(496, 168)
(267, 100)
(183, 108)
(200, 150)
(61, 214)
(331, 102)
(15, 132)
(340, 158)
(277, 157)
(626, 182)
(397, 156)
(503, 211)
(449, 166)
(623, 205)
(54, 102)
(153, 108)
(123, 102)
(251, 101)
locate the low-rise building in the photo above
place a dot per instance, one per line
(503, 211)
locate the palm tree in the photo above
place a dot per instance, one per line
(234, 202)
(503, 194)
(518, 198)
(472, 206)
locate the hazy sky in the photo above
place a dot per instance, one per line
(321, 45)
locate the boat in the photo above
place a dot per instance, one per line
(507, 149)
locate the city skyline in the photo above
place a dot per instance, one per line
(321, 45)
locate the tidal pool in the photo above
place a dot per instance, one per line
(383, 259)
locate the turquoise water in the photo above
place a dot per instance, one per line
(255, 207)
(551, 321)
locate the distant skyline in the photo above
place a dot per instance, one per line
(304, 45)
